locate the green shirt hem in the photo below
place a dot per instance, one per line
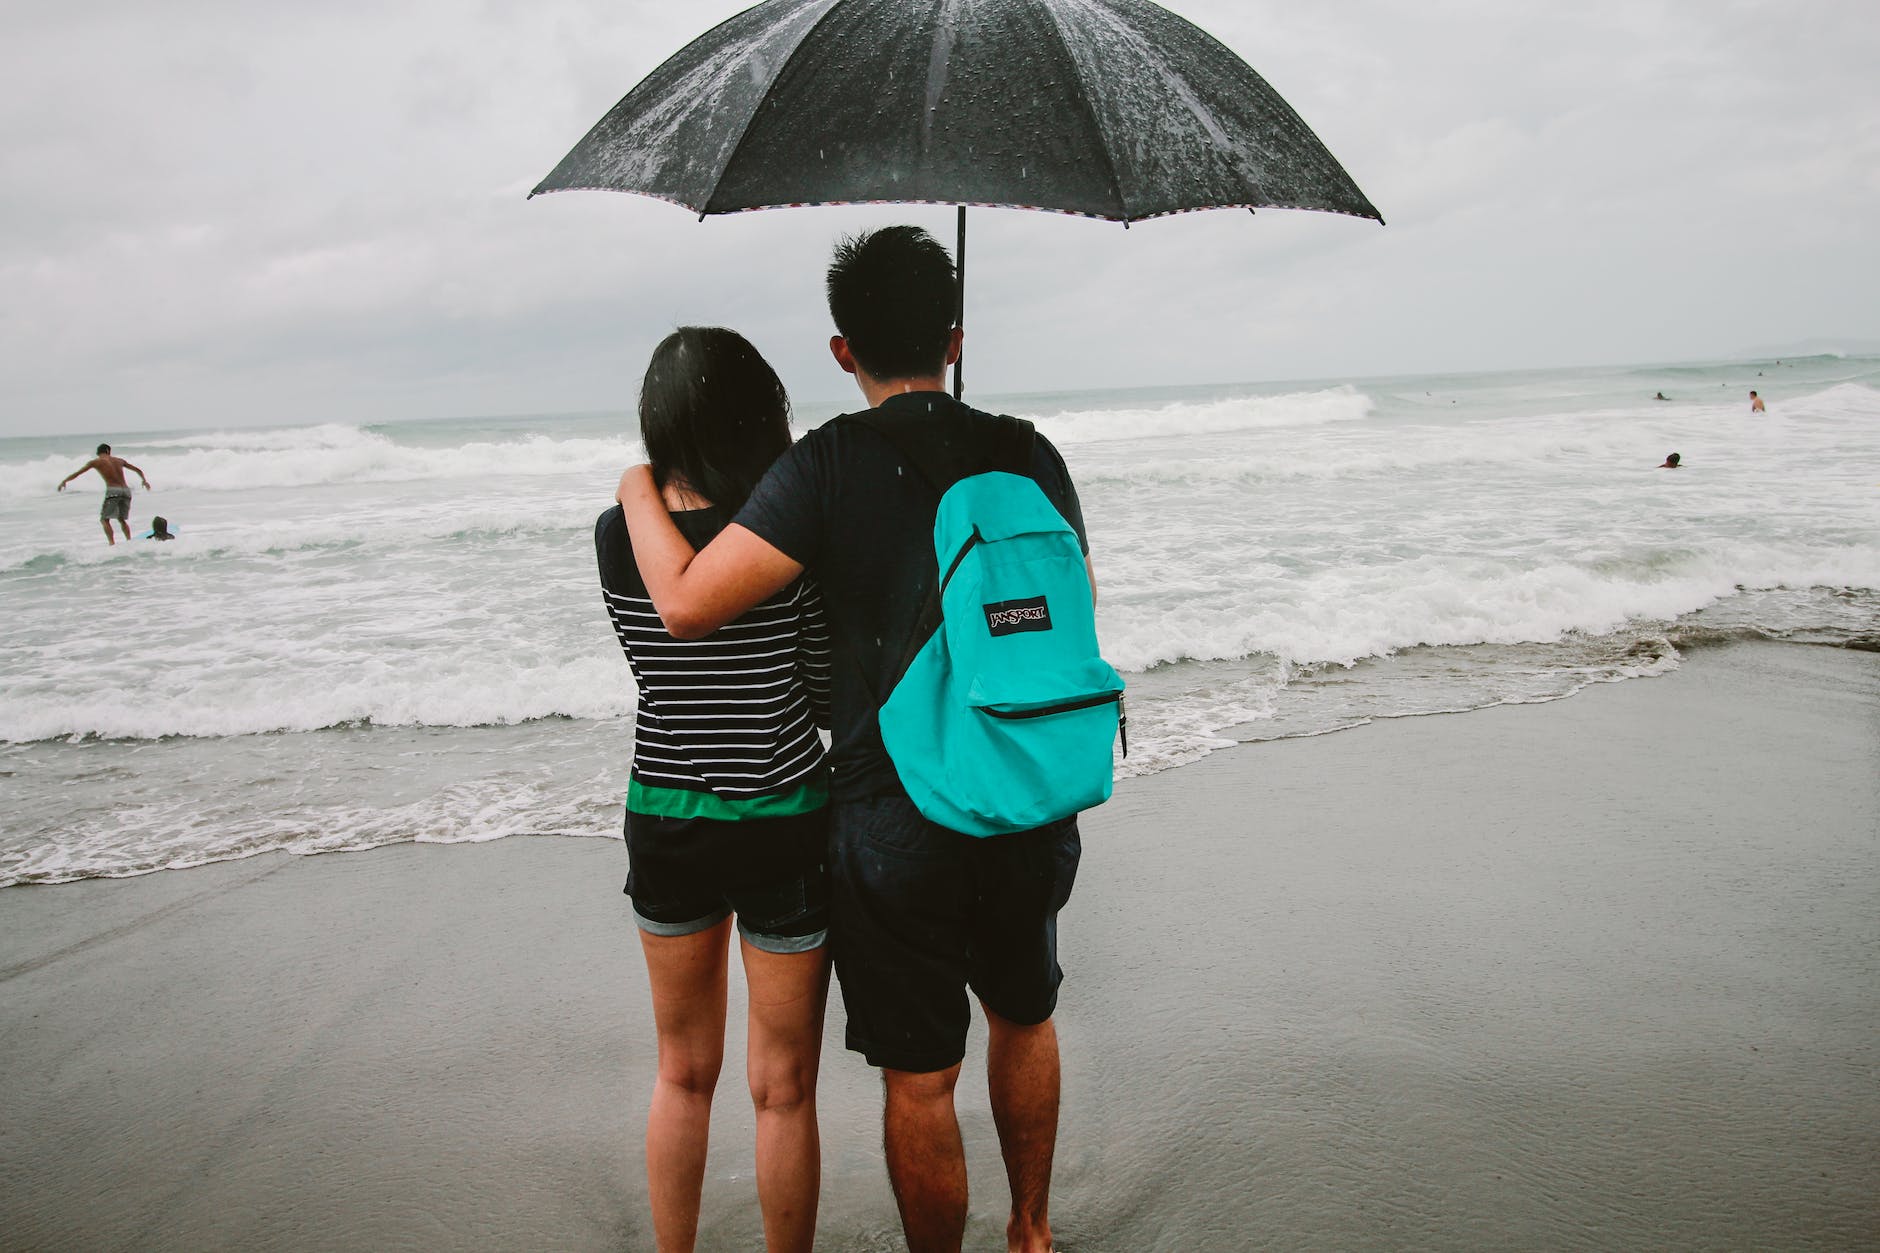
(672, 802)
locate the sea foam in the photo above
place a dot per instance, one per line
(367, 634)
(1176, 420)
(338, 455)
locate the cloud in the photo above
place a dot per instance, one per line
(227, 212)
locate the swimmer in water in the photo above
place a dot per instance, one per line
(1756, 404)
(1672, 462)
(1661, 396)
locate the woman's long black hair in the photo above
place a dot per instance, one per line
(713, 414)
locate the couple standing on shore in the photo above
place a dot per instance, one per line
(707, 570)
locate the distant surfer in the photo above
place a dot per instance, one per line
(117, 492)
(1756, 404)
(1661, 396)
(1673, 462)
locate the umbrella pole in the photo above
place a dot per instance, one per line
(959, 310)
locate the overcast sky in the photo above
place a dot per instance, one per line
(232, 211)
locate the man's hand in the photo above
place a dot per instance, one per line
(62, 483)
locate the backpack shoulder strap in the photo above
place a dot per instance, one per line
(945, 456)
(1008, 445)
(984, 443)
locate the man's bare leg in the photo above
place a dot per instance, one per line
(110, 537)
(1022, 1080)
(122, 523)
(926, 1161)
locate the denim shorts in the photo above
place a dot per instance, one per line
(919, 914)
(687, 875)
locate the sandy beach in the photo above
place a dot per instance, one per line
(1599, 973)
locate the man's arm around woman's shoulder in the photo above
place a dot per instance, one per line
(697, 592)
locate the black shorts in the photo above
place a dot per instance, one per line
(687, 875)
(919, 914)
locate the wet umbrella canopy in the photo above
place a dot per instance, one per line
(1114, 109)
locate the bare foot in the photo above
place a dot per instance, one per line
(1036, 1240)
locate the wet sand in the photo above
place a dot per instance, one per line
(1603, 973)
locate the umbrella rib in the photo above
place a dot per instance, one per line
(1083, 99)
(782, 69)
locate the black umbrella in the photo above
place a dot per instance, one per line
(1113, 109)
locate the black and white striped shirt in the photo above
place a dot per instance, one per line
(735, 713)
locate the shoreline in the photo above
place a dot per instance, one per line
(1594, 972)
(218, 763)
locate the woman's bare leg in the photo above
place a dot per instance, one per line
(788, 994)
(688, 978)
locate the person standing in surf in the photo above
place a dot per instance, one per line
(726, 799)
(117, 491)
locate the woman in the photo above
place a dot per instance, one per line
(725, 803)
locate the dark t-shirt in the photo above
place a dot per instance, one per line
(844, 503)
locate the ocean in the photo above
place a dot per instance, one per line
(373, 634)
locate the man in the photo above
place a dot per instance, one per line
(920, 914)
(1672, 462)
(117, 492)
(1756, 404)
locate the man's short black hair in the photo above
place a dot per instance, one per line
(893, 295)
(103, 449)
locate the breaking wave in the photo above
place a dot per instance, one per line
(314, 456)
(433, 691)
(1172, 421)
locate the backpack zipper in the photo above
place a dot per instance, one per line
(1088, 702)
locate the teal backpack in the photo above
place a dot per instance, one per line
(1004, 712)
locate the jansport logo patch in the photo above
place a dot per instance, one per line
(1011, 617)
